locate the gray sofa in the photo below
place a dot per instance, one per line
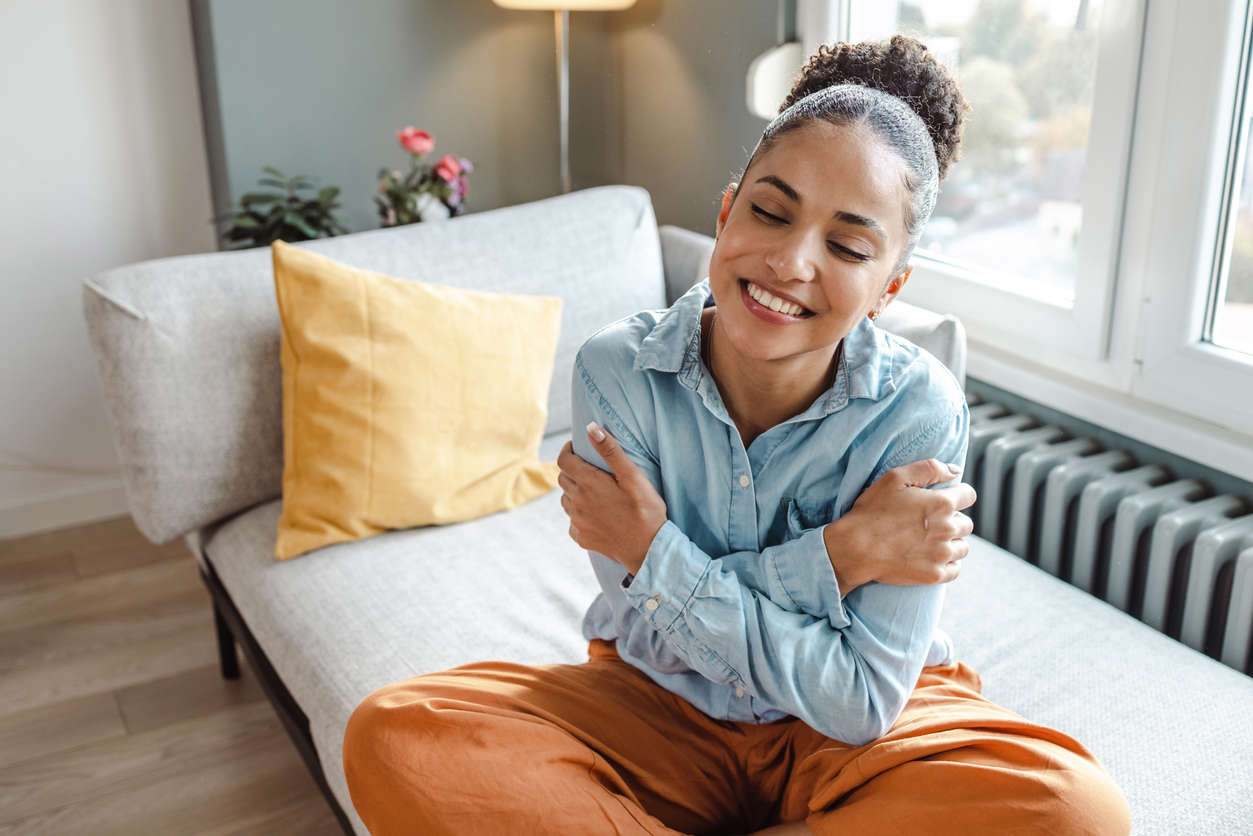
(188, 355)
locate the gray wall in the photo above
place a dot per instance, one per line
(684, 129)
(320, 86)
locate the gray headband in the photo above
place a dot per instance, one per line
(894, 121)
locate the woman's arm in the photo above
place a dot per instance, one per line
(798, 574)
(849, 682)
(883, 537)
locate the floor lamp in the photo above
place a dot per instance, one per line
(561, 12)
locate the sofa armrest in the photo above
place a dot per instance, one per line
(685, 257)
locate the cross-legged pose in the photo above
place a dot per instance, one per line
(763, 491)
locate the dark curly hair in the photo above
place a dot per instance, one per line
(903, 67)
(853, 79)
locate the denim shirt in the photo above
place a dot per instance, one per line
(736, 606)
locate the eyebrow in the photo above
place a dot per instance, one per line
(840, 215)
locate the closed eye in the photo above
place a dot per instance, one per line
(764, 213)
(774, 218)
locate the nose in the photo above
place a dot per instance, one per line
(792, 256)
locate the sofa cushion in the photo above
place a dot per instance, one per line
(341, 622)
(405, 403)
(187, 348)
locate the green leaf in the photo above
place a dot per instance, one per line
(266, 181)
(246, 222)
(328, 194)
(299, 222)
(274, 171)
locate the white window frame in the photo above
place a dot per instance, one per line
(1004, 308)
(1193, 156)
(1127, 354)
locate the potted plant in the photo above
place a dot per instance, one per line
(427, 192)
(265, 217)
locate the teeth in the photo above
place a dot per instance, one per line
(773, 302)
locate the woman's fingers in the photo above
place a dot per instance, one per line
(948, 526)
(960, 496)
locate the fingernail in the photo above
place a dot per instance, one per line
(953, 469)
(595, 432)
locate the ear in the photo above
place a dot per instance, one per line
(728, 196)
(891, 291)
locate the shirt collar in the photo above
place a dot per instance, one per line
(673, 345)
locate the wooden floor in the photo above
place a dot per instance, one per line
(113, 715)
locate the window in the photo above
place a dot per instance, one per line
(1232, 289)
(1013, 207)
(1096, 237)
(1025, 232)
(1194, 354)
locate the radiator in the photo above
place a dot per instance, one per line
(1165, 549)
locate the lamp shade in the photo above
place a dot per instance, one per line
(571, 5)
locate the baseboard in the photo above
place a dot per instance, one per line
(69, 508)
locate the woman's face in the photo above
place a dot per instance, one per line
(818, 219)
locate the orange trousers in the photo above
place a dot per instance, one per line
(504, 749)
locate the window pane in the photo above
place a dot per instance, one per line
(1233, 316)
(1012, 203)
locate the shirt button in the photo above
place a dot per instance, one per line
(743, 480)
(651, 604)
(739, 692)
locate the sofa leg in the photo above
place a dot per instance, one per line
(227, 653)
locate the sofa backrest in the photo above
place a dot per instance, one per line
(187, 348)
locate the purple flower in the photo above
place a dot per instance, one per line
(465, 164)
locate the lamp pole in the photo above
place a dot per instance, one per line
(561, 22)
(561, 19)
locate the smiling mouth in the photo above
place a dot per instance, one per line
(773, 303)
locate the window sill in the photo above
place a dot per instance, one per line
(1209, 444)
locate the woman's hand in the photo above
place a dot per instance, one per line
(616, 514)
(899, 532)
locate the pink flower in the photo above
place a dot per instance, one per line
(391, 217)
(415, 141)
(462, 187)
(448, 168)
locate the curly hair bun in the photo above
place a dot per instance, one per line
(903, 67)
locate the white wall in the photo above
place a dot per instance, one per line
(102, 163)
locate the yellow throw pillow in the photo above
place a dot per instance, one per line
(405, 403)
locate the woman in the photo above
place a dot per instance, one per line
(805, 686)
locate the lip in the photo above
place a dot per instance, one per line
(762, 312)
